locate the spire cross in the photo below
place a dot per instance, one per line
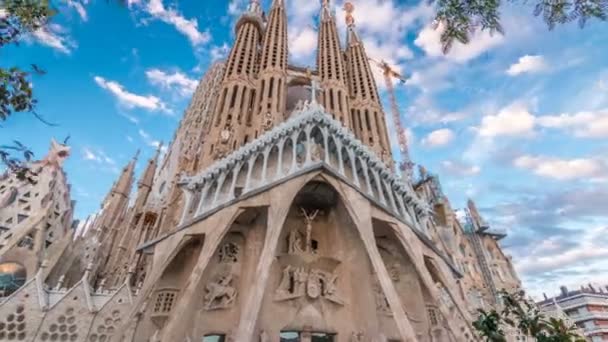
(314, 87)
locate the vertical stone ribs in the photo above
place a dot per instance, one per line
(330, 65)
(270, 103)
(366, 112)
(233, 112)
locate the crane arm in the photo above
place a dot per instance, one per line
(406, 163)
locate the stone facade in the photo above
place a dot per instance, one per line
(273, 216)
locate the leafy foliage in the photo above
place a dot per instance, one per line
(520, 314)
(21, 17)
(460, 18)
(16, 165)
(18, 18)
(15, 92)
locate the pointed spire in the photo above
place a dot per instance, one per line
(148, 175)
(326, 13)
(254, 7)
(351, 34)
(123, 186)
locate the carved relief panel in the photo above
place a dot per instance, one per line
(304, 272)
(221, 289)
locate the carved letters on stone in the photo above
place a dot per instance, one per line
(220, 294)
(297, 282)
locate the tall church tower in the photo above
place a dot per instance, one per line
(233, 113)
(330, 65)
(271, 98)
(365, 108)
(132, 231)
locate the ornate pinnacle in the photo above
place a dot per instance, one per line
(349, 8)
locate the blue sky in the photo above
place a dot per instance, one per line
(518, 122)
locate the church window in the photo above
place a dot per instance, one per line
(164, 301)
(214, 338)
(21, 218)
(251, 104)
(221, 107)
(279, 95)
(233, 98)
(433, 316)
(270, 87)
(331, 99)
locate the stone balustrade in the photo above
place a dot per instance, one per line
(309, 139)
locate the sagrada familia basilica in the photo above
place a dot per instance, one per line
(275, 215)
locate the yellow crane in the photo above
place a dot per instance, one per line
(406, 166)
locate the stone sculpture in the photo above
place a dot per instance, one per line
(220, 294)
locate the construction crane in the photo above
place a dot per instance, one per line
(406, 166)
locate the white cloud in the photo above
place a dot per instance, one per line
(512, 120)
(98, 156)
(87, 154)
(592, 124)
(219, 52)
(440, 137)
(527, 64)
(131, 100)
(457, 168)
(79, 7)
(147, 138)
(176, 80)
(384, 27)
(481, 41)
(54, 36)
(543, 258)
(188, 27)
(303, 43)
(561, 169)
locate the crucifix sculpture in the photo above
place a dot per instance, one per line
(314, 87)
(309, 218)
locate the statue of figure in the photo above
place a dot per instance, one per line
(220, 294)
(268, 122)
(294, 242)
(381, 301)
(301, 276)
(286, 279)
(315, 151)
(308, 219)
